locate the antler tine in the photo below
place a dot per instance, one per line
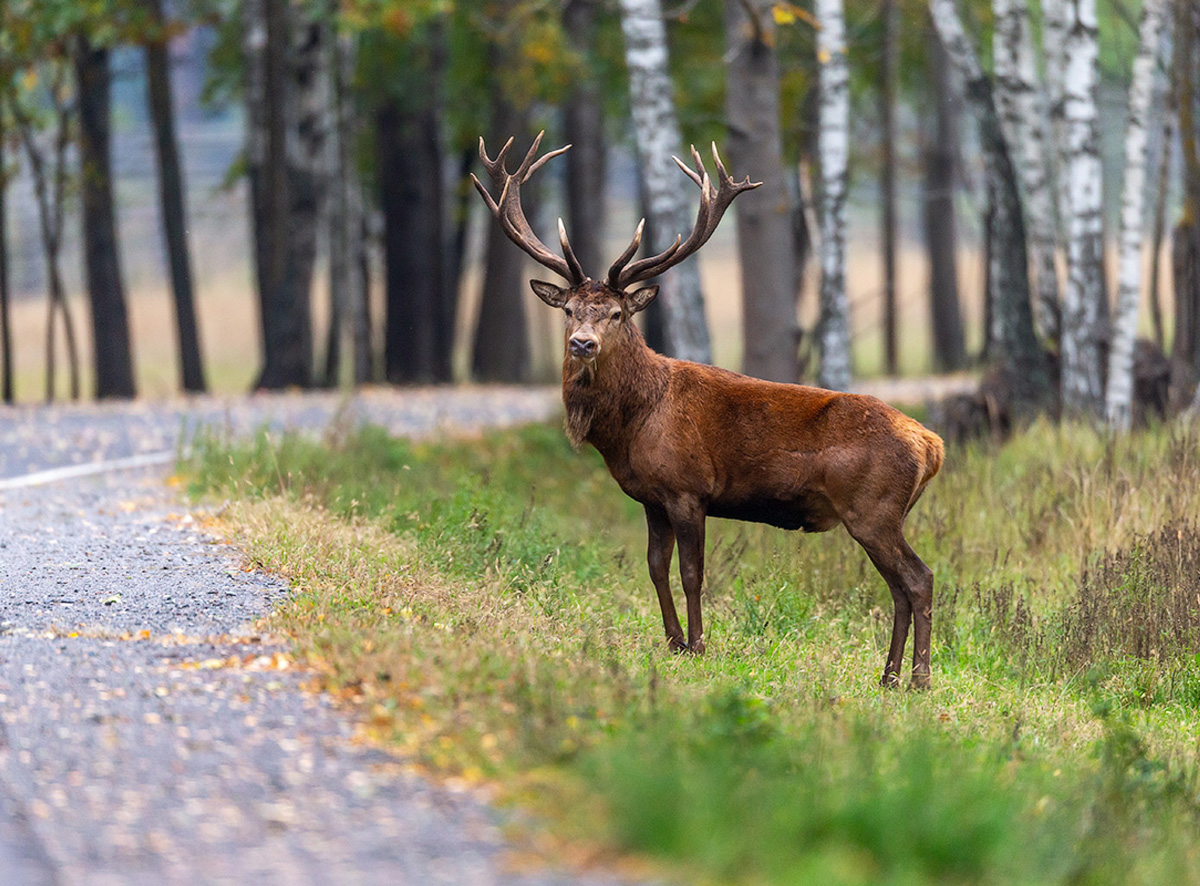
(507, 209)
(614, 271)
(487, 198)
(568, 252)
(713, 203)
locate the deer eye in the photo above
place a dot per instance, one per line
(616, 315)
(567, 311)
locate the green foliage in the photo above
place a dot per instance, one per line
(489, 602)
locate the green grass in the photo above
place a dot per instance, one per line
(487, 604)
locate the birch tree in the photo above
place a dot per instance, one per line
(1022, 113)
(1119, 396)
(833, 149)
(1012, 332)
(1084, 313)
(656, 131)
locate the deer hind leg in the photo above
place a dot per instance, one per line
(659, 550)
(687, 520)
(911, 584)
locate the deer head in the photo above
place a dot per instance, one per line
(595, 309)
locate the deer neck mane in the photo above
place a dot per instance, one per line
(603, 402)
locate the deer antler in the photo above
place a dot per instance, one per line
(713, 203)
(507, 209)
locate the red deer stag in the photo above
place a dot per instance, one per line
(690, 441)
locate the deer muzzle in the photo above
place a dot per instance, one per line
(583, 347)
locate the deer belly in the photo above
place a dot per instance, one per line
(811, 513)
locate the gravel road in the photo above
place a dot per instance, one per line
(148, 733)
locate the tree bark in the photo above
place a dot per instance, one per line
(1119, 395)
(411, 194)
(583, 128)
(1085, 304)
(833, 148)
(346, 286)
(1185, 349)
(172, 203)
(1015, 347)
(941, 242)
(887, 185)
(6, 379)
(656, 130)
(1022, 110)
(280, 160)
(770, 332)
(110, 323)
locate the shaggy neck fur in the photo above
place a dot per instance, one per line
(617, 392)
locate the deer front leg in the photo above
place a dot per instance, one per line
(659, 550)
(688, 523)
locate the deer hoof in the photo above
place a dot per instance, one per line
(675, 644)
(919, 682)
(890, 680)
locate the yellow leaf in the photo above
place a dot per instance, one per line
(823, 56)
(783, 15)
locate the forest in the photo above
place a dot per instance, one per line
(1027, 172)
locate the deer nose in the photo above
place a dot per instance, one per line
(583, 346)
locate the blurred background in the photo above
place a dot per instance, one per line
(232, 194)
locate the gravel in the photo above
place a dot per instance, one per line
(149, 732)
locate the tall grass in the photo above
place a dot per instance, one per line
(487, 603)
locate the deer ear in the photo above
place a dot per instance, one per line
(554, 296)
(640, 299)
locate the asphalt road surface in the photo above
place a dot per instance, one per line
(149, 734)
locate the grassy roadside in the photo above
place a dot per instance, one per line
(489, 603)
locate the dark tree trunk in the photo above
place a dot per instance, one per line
(106, 292)
(887, 185)
(770, 332)
(6, 379)
(583, 125)
(654, 318)
(456, 238)
(1185, 350)
(283, 197)
(172, 203)
(501, 351)
(410, 182)
(941, 241)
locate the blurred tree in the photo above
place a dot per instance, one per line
(583, 127)
(1021, 106)
(112, 347)
(280, 194)
(1016, 352)
(770, 332)
(940, 139)
(1185, 246)
(656, 130)
(172, 204)
(833, 146)
(6, 380)
(501, 346)
(1085, 303)
(47, 156)
(887, 182)
(409, 162)
(1119, 393)
(349, 304)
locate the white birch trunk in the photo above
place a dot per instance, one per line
(1019, 102)
(1119, 397)
(833, 147)
(1054, 36)
(1016, 347)
(1084, 300)
(656, 129)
